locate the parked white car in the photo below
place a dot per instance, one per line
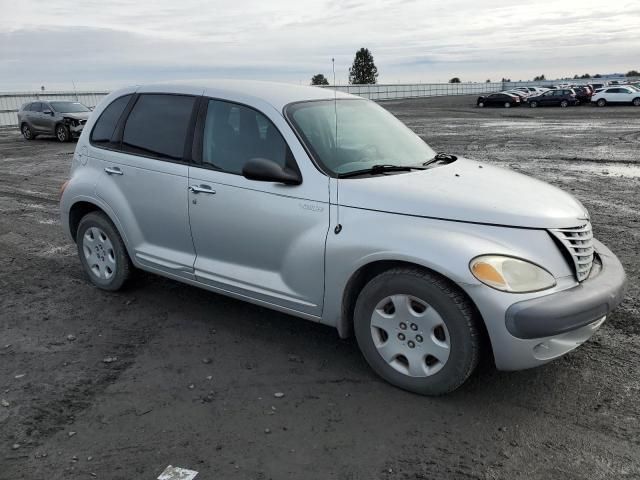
(619, 94)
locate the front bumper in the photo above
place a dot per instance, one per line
(76, 130)
(573, 308)
(537, 329)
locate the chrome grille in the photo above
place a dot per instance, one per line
(579, 243)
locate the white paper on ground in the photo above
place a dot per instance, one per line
(177, 473)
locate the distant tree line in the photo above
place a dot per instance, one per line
(363, 71)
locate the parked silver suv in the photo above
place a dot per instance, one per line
(330, 209)
(61, 118)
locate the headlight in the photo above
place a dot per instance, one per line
(510, 274)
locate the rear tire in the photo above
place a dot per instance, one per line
(27, 133)
(533, 104)
(601, 102)
(63, 134)
(102, 252)
(481, 104)
(417, 331)
(507, 104)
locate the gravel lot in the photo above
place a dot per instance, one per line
(120, 385)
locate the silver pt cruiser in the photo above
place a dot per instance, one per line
(325, 206)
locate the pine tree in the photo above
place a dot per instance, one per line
(363, 71)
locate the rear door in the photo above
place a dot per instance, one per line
(259, 240)
(35, 116)
(611, 95)
(144, 168)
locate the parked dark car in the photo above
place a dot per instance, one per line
(500, 99)
(62, 118)
(561, 97)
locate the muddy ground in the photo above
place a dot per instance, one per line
(120, 385)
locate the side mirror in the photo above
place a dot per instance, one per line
(265, 170)
(47, 112)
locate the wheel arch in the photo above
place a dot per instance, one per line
(81, 208)
(366, 272)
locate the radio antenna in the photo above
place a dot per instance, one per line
(338, 228)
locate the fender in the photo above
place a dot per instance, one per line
(445, 247)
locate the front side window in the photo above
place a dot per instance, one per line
(68, 107)
(366, 135)
(157, 126)
(106, 124)
(234, 134)
(36, 107)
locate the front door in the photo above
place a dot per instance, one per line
(258, 240)
(144, 178)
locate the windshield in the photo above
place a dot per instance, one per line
(68, 107)
(367, 135)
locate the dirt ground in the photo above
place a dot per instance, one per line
(121, 385)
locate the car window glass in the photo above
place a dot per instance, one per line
(157, 125)
(234, 134)
(36, 107)
(106, 124)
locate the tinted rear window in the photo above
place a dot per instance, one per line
(157, 125)
(106, 124)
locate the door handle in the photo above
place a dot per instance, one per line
(113, 171)
(201, 189)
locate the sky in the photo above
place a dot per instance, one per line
(104, 44)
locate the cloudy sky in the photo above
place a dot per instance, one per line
(109, 43)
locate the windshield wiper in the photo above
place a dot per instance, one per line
(379, 169)
(441, 157)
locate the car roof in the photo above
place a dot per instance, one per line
(248, 91)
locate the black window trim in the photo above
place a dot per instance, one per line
(113, 141)
(118, 132)
(198, 138)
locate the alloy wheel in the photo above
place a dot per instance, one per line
(61, 133)
(410, 335)
(26, 132)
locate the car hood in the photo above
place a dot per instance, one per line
(77, 115)
(466, 191)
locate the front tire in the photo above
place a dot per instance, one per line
(417, 331)
(564, 104)
(102, 252)
(636, 102)
(63, 134)
(507, 104)
(533, 104)
(601, 102)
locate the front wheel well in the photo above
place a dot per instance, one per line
(367, 272)
(79, 210)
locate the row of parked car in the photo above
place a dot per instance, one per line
(564, 95)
